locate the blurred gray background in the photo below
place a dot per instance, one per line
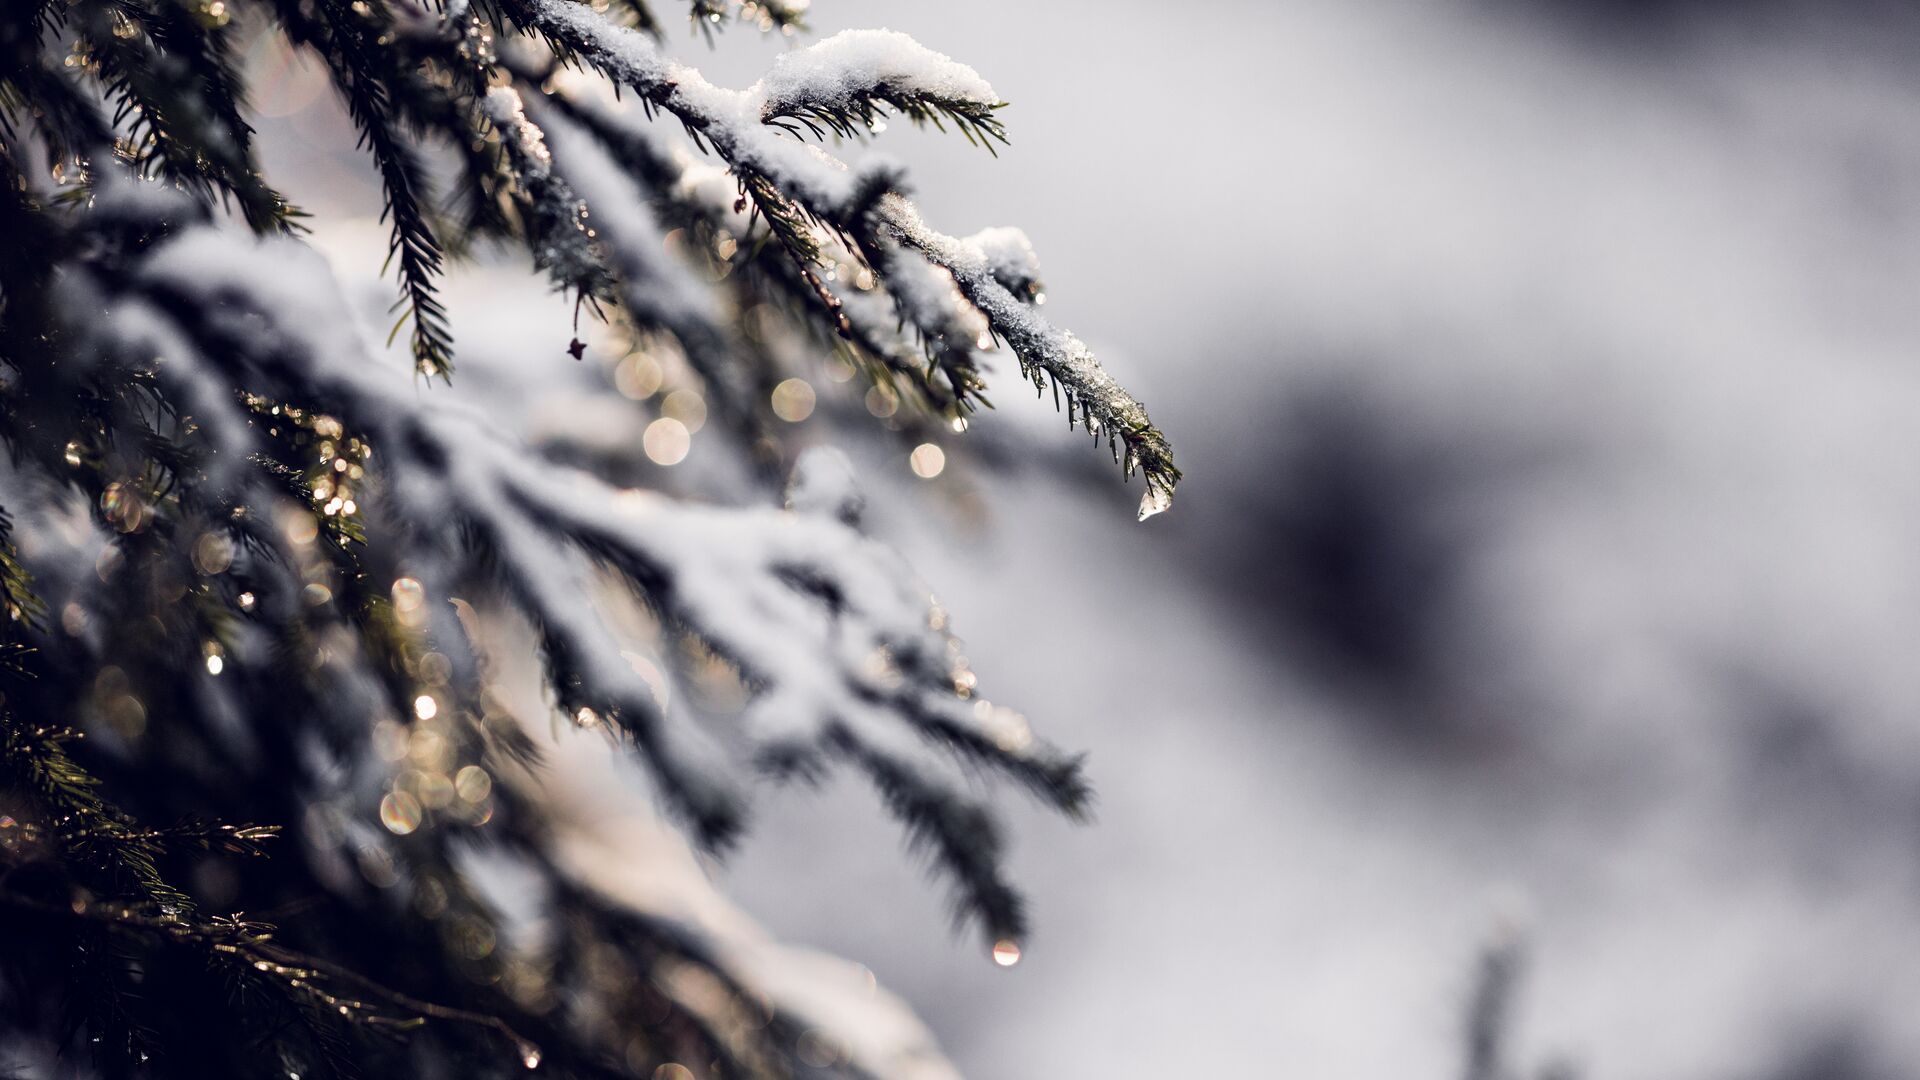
(1547, 378)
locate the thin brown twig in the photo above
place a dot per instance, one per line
(272, 958)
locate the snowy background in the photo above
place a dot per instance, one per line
(1545, 378)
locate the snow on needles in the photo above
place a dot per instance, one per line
(839, 71)
(841, 641)
(842, 75)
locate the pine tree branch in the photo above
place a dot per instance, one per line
(199, 393)
(17, 597)
(822, 189)
(845, 85)
(305, 976)
(1106, 409)
(749, 584)
(364, 74)
(174, 89)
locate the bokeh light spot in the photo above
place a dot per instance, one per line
(927, 461)
(400, 813)
(793, 400)
(667, 441)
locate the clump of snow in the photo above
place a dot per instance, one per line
(729, 119)
(823, 483)
(929, 297)
(1010, 258)
(504, 108)
(838, 71)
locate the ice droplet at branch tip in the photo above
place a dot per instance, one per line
(1155, 501)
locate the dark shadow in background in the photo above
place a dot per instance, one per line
(1345, 528)
(1643, 26)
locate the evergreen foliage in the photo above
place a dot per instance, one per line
(251, 750)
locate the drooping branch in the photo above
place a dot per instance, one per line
(838, 74)
(755, 586)
(265, 522)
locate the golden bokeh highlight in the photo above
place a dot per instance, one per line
(302, 528)
(433, 789)
(638, 377)
(793, 400)
(212, 553)
(927, 461)
(687, 407)
(666, 441)
(400, 813)
(473, 784)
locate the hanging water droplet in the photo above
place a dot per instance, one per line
(530, 1055)
(1155, 501)
(1006, 952)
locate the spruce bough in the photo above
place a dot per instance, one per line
(251, 570)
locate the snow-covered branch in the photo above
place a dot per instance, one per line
(845, 84)
(996, 273)
(843, 647)
(272, 571)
